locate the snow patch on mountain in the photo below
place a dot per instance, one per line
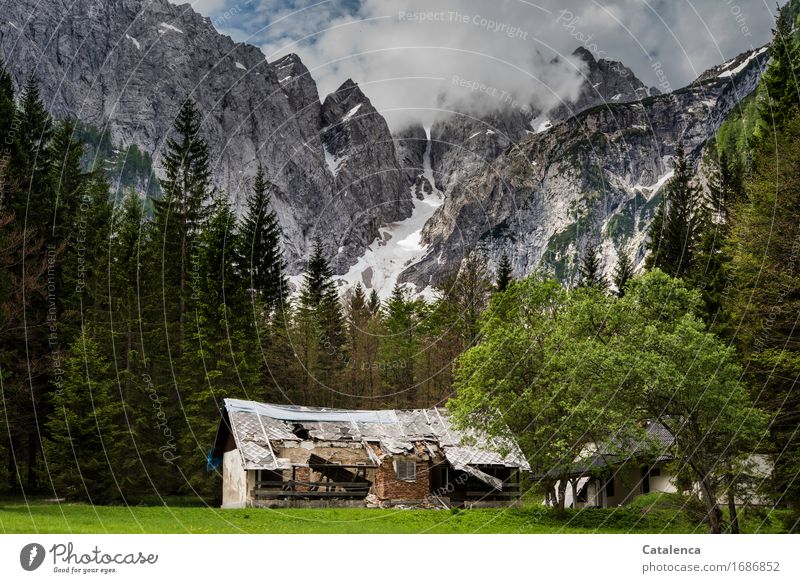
(166, 27)
(334, 163)
(398, 245)
(349, 115)
(654, 188)
(134, 41)
(541, 124)
(741, 67)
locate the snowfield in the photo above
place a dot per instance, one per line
(398, 245)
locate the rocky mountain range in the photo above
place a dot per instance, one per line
(125, 67)
(539, 185)
(593, 178)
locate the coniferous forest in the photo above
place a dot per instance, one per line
(127, 314)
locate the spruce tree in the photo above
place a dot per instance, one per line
(374, 302)
(181, 212)
(317, 279)
(261, 236)
(125, 261)
(710, 271)
(764, 301)
(362, 345)
(780, 81)
(8, 110)
(83, 449)
(218, 260)
(400, 346)
(322, 325)
(623, 272)
(589, 274)
(674, 229)
(31, 200)
(504, 273)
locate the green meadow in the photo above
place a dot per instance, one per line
(650, 514)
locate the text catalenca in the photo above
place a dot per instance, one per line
(670, 550)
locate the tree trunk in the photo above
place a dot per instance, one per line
(712, 508)
(574, 484)
(560, 495)
(33, 441)
(13, 478)
(734, 515)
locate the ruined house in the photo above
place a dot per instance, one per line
(278, 455)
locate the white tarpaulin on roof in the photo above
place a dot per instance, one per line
(289, 413)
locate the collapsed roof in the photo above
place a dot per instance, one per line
(255, 426)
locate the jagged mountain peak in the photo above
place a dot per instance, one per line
(757, 57)
(348, 93)
(604, 81)
(584, 54)
(125, 66)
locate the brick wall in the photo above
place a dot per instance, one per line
(302, 475)
(388, 487)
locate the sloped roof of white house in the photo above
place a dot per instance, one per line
(255, 425)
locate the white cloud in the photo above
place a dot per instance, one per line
(412, 57)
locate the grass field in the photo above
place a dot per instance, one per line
(649, 515)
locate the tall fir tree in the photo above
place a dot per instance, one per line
(623, 272)
(363, 378)
(764, 300)
(322, 326)
(181, 212)
(83, 451)
(589, 274)
(710, 271)
(31, 201)
(504, 273)
(780, 80)
(8, 111)
(674, 229)
(374, 302)
(400, 346)
(262, 250)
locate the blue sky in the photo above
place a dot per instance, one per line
(406, 53)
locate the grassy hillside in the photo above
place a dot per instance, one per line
(649, 514)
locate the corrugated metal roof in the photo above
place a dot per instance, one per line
(395, 431)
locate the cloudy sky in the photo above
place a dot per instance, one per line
(414, 57)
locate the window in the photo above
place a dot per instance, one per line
(406, 470)
(610, 487)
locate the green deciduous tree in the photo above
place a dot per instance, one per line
(568, 371)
